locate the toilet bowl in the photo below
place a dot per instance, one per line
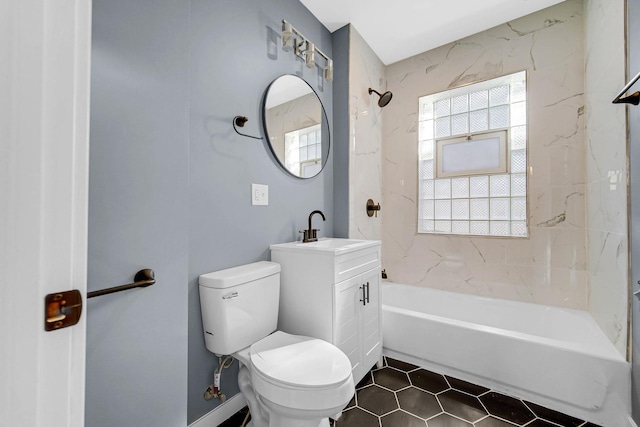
(291, 380)
(288, 380)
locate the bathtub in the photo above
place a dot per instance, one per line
(558, 358)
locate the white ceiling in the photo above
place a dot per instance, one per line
(399, 29)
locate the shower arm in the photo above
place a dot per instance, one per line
(631, 99)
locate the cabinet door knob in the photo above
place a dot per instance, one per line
(364, 295)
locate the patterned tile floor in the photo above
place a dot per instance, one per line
(403, 395)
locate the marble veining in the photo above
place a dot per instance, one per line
(606, 169)
(576, 253)
(550, 266)
(365, 153)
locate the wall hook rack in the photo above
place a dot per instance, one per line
(634, 98)
(240, 121)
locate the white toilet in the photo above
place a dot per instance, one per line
(288, 380)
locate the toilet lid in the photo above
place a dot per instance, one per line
(300, 361)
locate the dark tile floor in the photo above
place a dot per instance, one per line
(237, 419)
(403, 395)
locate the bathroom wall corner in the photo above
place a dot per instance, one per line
(606, 168)
(366, 71)
(340, 140)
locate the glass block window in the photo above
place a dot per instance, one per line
(303, 151)
(456, 195)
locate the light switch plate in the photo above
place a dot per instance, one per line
(259, 194)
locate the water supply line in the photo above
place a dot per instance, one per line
(246, 418)
(214, 390)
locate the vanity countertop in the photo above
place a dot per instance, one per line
(326, 245)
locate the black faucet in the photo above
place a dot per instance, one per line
(311, 235)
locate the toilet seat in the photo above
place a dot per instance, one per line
(300, 372)
(298, 361)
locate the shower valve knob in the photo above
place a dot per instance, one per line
(372, 208)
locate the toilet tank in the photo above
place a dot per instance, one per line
(239, 305)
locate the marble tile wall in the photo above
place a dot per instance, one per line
(365, 138)
(606, 168)
(550, 266)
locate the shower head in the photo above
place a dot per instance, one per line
(384, 97)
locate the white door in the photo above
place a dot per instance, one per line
(44, 110)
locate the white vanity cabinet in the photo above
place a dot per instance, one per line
(356, 321)
(331, 291)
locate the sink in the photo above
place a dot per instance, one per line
(332, 243)
(327, 244)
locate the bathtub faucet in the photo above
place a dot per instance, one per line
(311, 234)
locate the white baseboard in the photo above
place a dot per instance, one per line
(222, 413)
(632, 423)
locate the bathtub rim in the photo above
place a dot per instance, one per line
(607, 351)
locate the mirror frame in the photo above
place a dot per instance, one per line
(324, 126)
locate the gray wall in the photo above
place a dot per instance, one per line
(170, 189)
(341, 40)
(234, 54)
(138, 213)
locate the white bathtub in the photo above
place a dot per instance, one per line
(555, 357)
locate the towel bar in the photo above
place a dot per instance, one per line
(143, 278)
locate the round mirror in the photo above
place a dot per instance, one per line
(296, 126)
